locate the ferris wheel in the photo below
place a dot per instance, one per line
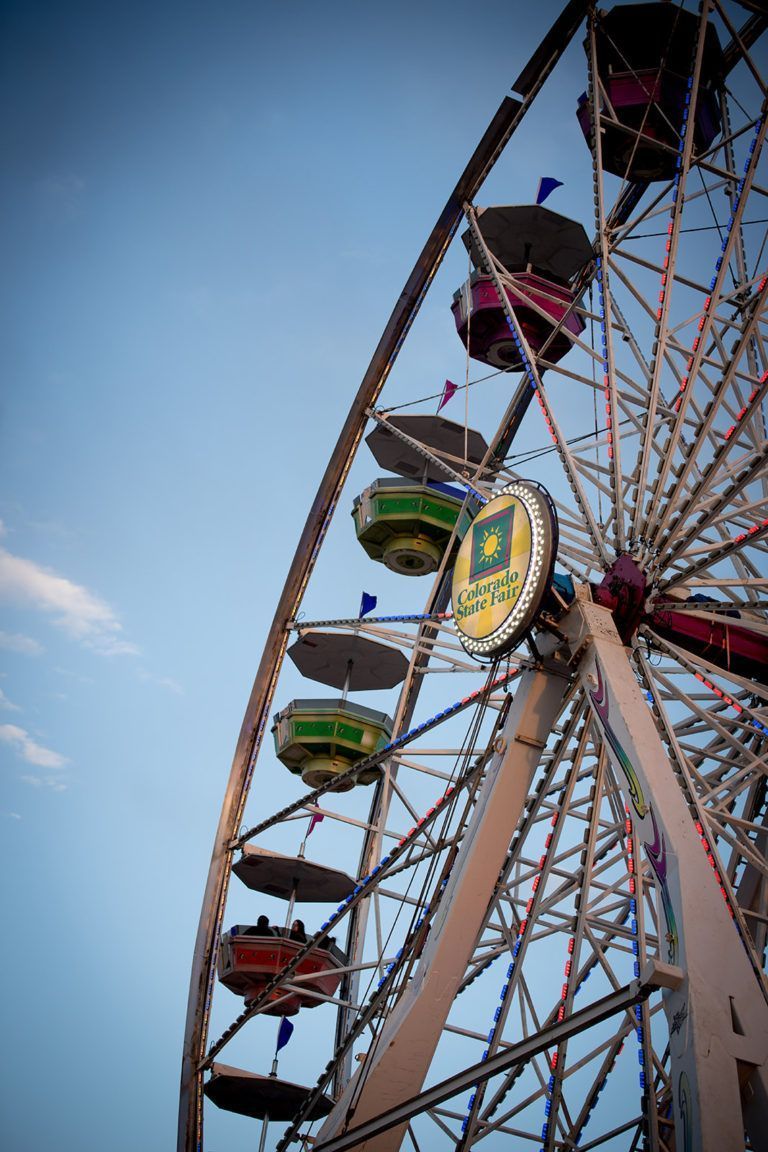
(542, 917)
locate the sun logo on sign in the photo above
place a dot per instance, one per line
(490, 546)
(491, 543)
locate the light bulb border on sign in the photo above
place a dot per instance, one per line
(537, 581)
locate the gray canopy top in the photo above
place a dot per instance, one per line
(331, 657)
(263, 870)
(523, 234)
(443, 438)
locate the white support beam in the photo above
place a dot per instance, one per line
(718, 1015)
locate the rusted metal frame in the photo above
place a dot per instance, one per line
(708, 317)
(473, 1117)
(660, 335)
(703, 430)
(537, 387)
(501, 128)
(604, 291)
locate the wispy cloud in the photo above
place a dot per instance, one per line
(59, 195)
(6, 704)
(167, 682)
(15, 642)
(76, 676)
(79, 612)
(55, 783)
(29, 750)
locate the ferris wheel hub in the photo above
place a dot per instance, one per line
(623, 591)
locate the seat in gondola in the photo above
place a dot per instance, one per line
(248, 962)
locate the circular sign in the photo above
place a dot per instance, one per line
(504, 569)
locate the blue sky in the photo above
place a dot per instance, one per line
(207, 214)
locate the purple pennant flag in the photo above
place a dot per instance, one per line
(448, 392)
(367, 604)
(284, 1033)
(547, 184)
(316, 818)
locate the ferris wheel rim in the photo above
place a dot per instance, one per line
(277, 641)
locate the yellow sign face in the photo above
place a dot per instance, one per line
(503, 569)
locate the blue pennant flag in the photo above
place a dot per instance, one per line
(547, 184)
(367, 604)
(284, 1033)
